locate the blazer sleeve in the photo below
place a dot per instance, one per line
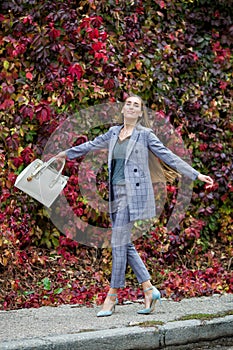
(100, 142)
(166, 155)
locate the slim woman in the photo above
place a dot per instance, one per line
(131, 194)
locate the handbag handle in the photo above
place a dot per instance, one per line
(59, 172)
(45, 166)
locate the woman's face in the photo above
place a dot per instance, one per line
(132, 109)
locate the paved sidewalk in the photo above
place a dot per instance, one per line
(72, 327)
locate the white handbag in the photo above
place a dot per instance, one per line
(42, 181)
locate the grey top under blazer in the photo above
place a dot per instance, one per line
(139, 187)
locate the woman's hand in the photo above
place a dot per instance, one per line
(61, 156)
(207, 179)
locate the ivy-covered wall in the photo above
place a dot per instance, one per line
(59, 57)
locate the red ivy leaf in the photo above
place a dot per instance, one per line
(43, 115)
(109, 84)
(27, 111)
(93, 34)
(223, 84)
(98, 46)
(54, 33)
(96, 21)
(76, 70)
(162, 4)
(18, 161)
(29, 75)
(7, 104)
(28, 155)
(43, 112)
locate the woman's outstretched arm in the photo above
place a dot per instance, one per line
(100, 142)
(174, 161)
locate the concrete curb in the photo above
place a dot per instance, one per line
(172, 334)
(194, 331)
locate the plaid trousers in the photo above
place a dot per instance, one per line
(123, 250)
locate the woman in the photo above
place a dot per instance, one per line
(131, 194)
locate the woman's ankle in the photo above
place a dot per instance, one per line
(112, 294)
(146, 286)
(112, 291)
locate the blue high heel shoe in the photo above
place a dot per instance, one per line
(103, 313)
(155, 296)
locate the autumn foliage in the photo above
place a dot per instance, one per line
(58, 57)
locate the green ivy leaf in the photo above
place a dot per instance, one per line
(6, 65)
(46, 283)
(58, 291)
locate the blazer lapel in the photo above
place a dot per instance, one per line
(112, 143)
(131, 144)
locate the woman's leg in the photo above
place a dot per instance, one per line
(121, 232)
(123, 250)
(137, 265)
(121, 229)
(141, 273)
(110, 300)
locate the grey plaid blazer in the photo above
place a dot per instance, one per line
(139, 187)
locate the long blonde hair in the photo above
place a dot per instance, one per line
(159, 171)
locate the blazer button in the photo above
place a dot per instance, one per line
(135, 170)
(136, 151)
(137, 184)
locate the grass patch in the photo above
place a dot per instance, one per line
(151, 323)
(204, 316)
